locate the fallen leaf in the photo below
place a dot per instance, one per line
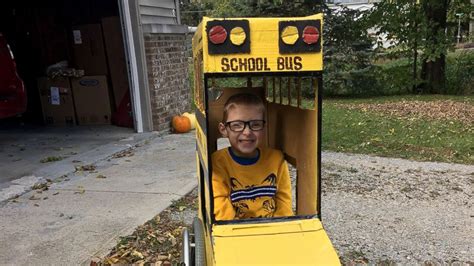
(125, 253)
(51, 159)
(172, 239)
(137, 254)
(112, 260)
(125, 153)
(34, 198)
(89, 167)
(81, 190)
(40, 186)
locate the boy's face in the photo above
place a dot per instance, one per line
(245, 143)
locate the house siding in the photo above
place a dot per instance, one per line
(158, 12)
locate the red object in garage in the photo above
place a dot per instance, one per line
(12, 89)
(123, 116)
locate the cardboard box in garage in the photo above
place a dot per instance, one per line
(91, 100)
(88, 49)
(57, 101)
(114, 48)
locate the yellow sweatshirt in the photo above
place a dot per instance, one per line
(262, 189)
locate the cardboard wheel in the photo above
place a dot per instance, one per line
(199, 243)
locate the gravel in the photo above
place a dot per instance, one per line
(386, 210)
(390, 211)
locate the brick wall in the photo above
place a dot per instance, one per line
(167, 77)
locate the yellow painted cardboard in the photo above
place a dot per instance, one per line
(264, 53)
(292, 129)
(298, 242)
(201, 144)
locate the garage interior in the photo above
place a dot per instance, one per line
(73, 50)
(65, 39)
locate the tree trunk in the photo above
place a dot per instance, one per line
(433, 72)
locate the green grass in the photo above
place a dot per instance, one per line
(371, 133)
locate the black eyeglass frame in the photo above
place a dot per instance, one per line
(246, 123)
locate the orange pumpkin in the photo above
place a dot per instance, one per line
(181, 124)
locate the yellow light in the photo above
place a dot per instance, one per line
(290, 35)
(237, 35)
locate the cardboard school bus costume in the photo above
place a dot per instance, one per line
(279, 59)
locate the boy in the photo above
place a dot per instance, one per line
(248, 181)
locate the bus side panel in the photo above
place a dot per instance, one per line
(294, 131)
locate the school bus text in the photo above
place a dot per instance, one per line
(260, 64)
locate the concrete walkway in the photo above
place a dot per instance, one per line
(82, 214)
(22, 149)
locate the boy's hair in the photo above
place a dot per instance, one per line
(243, 99)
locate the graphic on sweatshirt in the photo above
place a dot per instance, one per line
(243, 196)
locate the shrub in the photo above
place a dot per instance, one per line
(396, 77)
(353, 82)
(460, 73)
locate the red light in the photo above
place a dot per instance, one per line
(310, 35)
(217, 34)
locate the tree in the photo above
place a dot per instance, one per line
(436, 44)
(418, 25)
(347, 45)
(348, 54)
(192, 12)
(458, 18)
(402, 24)
(266, 8)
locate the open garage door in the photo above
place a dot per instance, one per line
(71, 57)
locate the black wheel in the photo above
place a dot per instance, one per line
(199, 243)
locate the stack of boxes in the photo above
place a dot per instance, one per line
(88, 100)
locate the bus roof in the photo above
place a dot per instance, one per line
(254, 45)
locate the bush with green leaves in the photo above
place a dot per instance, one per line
(396, 77)
(460, 73)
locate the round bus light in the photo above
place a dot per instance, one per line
(237, 36)
(310, 35)
(289, 35)
(217, 34)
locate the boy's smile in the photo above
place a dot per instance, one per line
(245, 143)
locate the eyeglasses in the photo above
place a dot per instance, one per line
(239, 126)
